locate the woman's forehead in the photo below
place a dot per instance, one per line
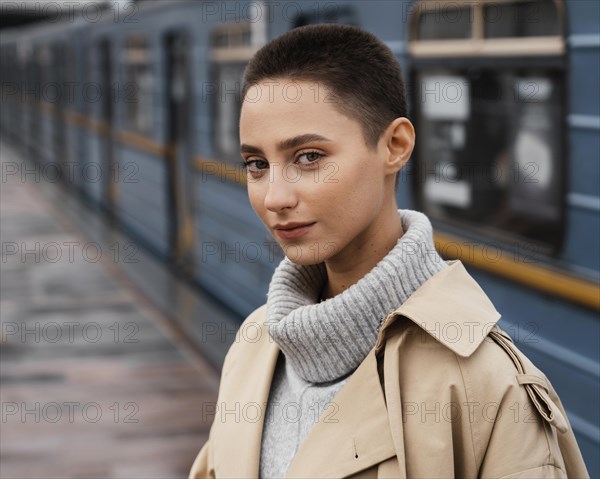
(297, 107)
(288, 89)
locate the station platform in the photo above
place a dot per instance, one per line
(107, 367)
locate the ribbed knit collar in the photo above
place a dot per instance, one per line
(328, 340)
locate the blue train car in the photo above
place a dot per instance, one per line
(41, 97)
(505, 101)
(167, 132)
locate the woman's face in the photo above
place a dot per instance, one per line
(308, 165)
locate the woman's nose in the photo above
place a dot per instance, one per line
(281, 193)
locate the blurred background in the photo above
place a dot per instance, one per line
(130, 253)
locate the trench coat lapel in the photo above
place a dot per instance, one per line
(358, 443)
(237, 447)
(353, 435)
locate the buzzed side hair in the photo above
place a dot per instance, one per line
(360, 71)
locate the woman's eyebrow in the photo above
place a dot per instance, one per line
(286, 144)
(299, 140)
(250, 149)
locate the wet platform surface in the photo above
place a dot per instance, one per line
(104, 369)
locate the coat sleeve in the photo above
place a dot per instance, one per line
(567, 443)
(530, 435)
(203, 467)
(528, 447)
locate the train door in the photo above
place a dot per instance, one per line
(35, 86)
(24, 56)
(179, 152)
(108, 190)
(59, 140)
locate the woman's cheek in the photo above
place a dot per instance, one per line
(257, 199)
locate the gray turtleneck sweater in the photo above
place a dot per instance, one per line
(323, 343)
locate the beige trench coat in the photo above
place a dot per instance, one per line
(462, 401)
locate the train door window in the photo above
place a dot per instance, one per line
(6, 68)
(180, 195)
(9, 68)
(59, 80)
(138, 91)
(232, 47)
(31, 72)
(41, 58)
(105, 59)
(89, 83)
(489, 115)
(45, 73)
(105, 76)
(70, 72)
(178, 86)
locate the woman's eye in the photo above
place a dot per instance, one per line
(256, 166)
(310, 157)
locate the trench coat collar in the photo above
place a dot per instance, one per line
(450, 306)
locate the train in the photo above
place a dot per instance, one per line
(134, 109)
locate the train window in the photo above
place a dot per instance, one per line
(228, 78)
(490, 149)
(451, 23)
(232, 46)
(327, 13)
(521, 19)
(139, 86)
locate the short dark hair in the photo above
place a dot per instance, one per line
(361, 72)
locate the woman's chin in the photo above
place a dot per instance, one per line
(303, 254)
(303, 261)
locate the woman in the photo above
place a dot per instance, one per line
(373, 357)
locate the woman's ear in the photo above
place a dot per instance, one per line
(400, 141)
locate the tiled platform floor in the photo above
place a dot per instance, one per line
(95, 380)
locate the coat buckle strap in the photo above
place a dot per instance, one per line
(507, 345)
(536, 386)
(532, 379)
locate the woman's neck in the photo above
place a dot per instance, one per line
(372, 247)
(327, 340)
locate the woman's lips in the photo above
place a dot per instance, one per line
(294, 232)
